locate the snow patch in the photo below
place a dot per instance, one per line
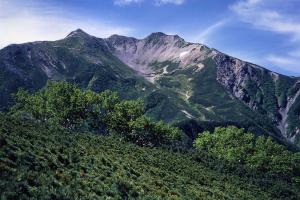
(165, 70)
(200, 66)
(182, 54)
(187, 114)
(49, 72)
(63, 65)
(210, 109)
(187, 95)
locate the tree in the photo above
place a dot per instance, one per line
(61, 103)
(64, 104)
(229, 142)
(262, 153)
(147, 133)
(269, 156)
(123, 113)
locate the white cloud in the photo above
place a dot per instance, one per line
(280, 60)
(295, 53)
(269, 15)
(205, 35)
(263, 15)
(156, 2)
(176, 2)
(126, 2)
(21, 22)
(289, 63)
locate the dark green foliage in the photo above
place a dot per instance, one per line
(261, 153)
(252, 90)
(230, 143)
(63, 104)
(269, 100)
(282, 86)
(123, 114)
(294, 119)
(292, 91)
(38, 161)
(146, 133)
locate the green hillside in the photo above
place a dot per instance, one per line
(40, 162)
(66, 143)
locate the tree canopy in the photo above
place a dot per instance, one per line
(66, 105)
(260, 153)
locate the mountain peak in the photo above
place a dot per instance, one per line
(78, 32)
(161, 35)
(157, 35)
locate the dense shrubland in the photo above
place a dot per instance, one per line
(65, 143)
(38, 161)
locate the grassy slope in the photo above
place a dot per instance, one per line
(43, 163)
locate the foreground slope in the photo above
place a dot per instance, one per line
(179, 81)
(41, 162)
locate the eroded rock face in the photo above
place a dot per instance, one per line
(233, 74)
(261, 90)
(157, 47)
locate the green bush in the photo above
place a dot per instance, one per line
(146, 133)
(261, 154)
(229, 142)
(59, 103)
(64, 104)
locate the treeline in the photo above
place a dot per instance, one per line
(66, 105)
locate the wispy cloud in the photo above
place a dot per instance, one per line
(176, 2)
(156, 2)
(205, 35)
(263, 15)
(295, 53)
(269, 15)
(289, 63)
(126, 2)
(23, 22)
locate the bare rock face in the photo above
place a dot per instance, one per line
(261, 90)
(157, 47)
(233, 75)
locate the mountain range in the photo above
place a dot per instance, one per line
(187, 84)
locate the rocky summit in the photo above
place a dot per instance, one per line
(188, 84)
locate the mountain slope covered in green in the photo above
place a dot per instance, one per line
(181, 83)
(41, 162)
(63, 142)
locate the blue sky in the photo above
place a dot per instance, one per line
(265, 32)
